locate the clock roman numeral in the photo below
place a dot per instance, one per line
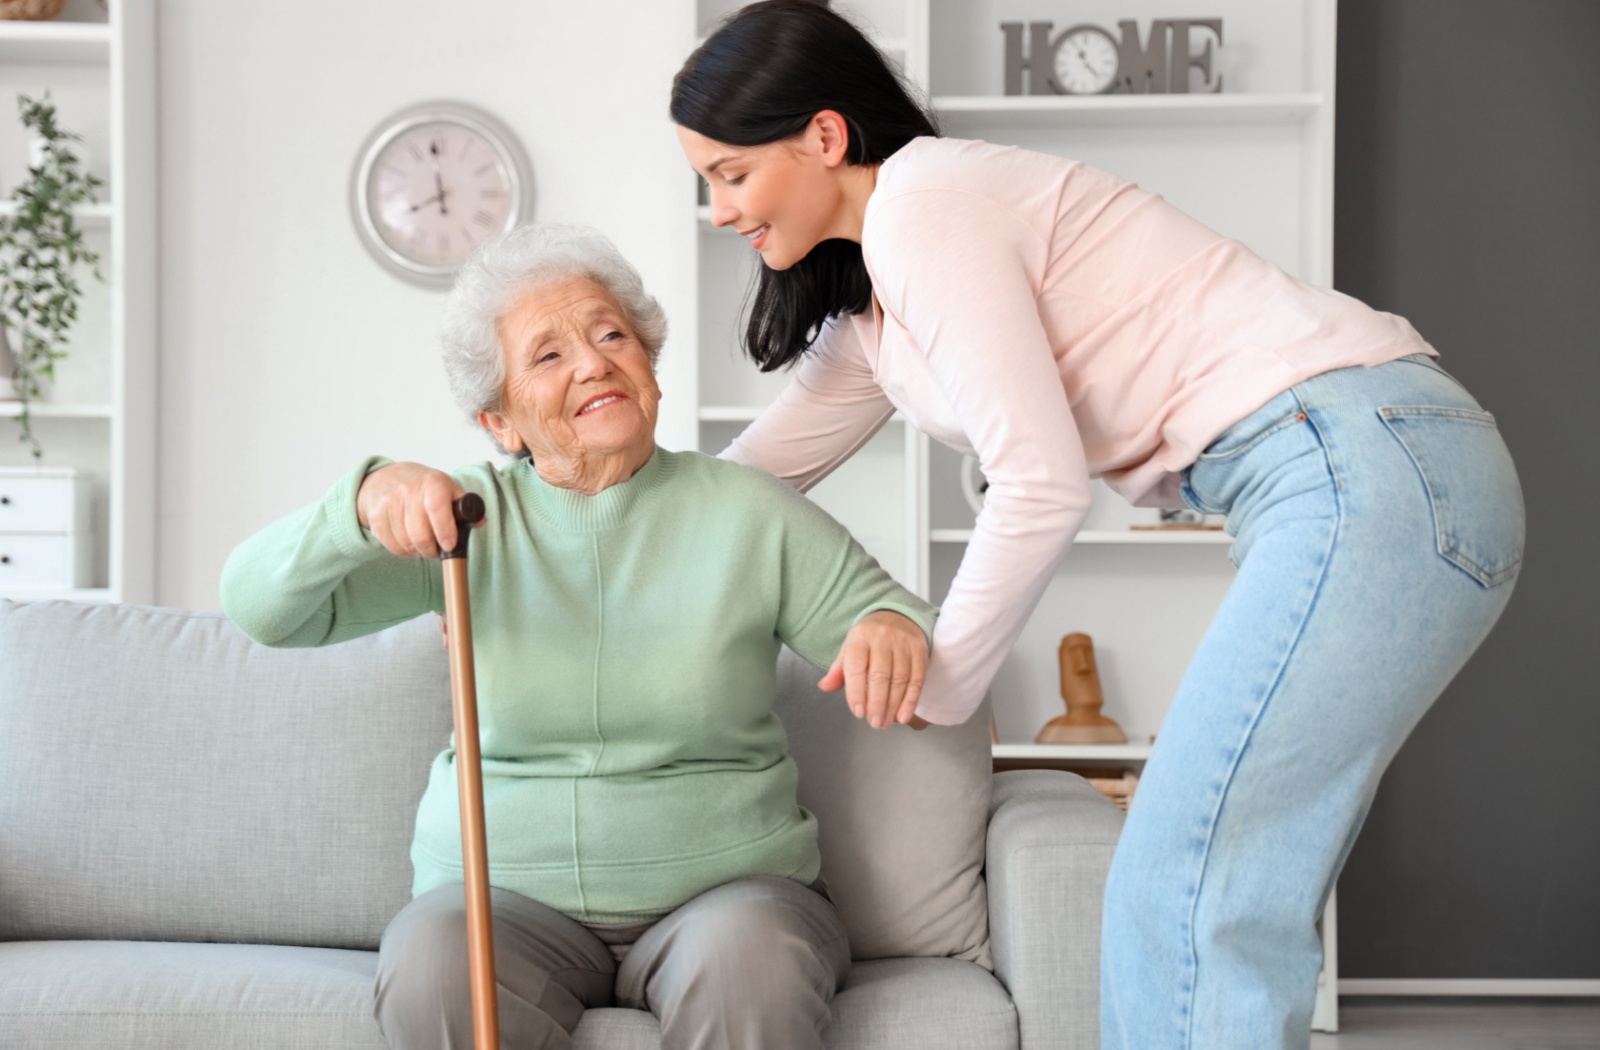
(485, 168)
(411, 147)
(484, 218)
(492, 194)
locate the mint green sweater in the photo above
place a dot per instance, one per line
(625, 648)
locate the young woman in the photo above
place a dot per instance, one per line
(1062, 324)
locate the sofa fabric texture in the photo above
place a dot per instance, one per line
(166, 778)
(202, 841)
(162, 777)
(164, 996)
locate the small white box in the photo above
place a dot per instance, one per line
(45, 539)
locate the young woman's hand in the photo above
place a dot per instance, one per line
(881, 667)
(408, 508)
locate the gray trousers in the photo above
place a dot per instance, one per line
(749, 965)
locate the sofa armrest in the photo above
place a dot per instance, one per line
(1051, 837)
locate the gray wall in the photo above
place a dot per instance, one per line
(1468, 200)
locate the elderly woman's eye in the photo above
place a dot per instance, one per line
(735, 180)
(613, 334)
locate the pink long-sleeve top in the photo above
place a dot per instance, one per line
(1059, 324)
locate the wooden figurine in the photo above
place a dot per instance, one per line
(1080, 688)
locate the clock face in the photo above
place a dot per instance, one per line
(431, 184)
(436, 191)
(1086, 61)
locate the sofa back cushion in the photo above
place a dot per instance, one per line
(162, 777)
(902, 816)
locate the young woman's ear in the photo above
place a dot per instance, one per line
(832, 137)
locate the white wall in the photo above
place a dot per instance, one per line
(286, 353)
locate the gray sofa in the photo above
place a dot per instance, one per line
(202, 840)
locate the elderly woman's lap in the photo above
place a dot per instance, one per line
(750, 964)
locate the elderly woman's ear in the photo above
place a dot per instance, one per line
(505, 435)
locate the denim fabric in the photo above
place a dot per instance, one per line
(1378, 529)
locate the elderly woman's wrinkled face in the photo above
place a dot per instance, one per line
(580, 392)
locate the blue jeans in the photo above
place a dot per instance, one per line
(1378, 529)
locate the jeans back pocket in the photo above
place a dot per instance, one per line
(1471, 483)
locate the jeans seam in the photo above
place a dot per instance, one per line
(1255, 721)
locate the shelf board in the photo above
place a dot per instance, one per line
(88, 214)
(959, 112)
(55, 43)
(44, 409)
(1066, 752)
(1178, 536)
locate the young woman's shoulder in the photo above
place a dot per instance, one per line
(971, 166)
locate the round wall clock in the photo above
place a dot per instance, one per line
(431, 183)
(1086, 61)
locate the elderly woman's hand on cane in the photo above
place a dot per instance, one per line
(409, 509)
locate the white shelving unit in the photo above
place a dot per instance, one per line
(99, 69)
(1254, 162)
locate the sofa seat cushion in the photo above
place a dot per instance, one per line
(153, 995)
(157, 995)
(886, 1004)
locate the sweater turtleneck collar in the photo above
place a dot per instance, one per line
(571, 511)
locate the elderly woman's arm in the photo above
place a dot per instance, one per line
(318, 576)
(841, 610)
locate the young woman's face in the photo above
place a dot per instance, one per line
(783, 197)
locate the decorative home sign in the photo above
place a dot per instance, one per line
(1088, 60)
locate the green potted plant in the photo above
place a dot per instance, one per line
(40, 247)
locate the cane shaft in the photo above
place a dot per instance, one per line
(469, 782)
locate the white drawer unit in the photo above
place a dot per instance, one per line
(45, 538)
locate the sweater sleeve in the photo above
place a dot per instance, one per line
(828, 411)
(317, 578)
(829, 581)
(962, 274)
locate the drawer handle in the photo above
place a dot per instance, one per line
(5, 501)
(5, 559)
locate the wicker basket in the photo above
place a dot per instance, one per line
(30, 10)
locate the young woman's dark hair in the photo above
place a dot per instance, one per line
(760, 78)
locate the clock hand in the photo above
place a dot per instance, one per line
(439, 181)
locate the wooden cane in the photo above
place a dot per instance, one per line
(469, 511)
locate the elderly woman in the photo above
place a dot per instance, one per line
(646, 847)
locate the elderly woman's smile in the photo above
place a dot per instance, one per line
(580, 393)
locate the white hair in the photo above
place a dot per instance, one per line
(506, 267)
